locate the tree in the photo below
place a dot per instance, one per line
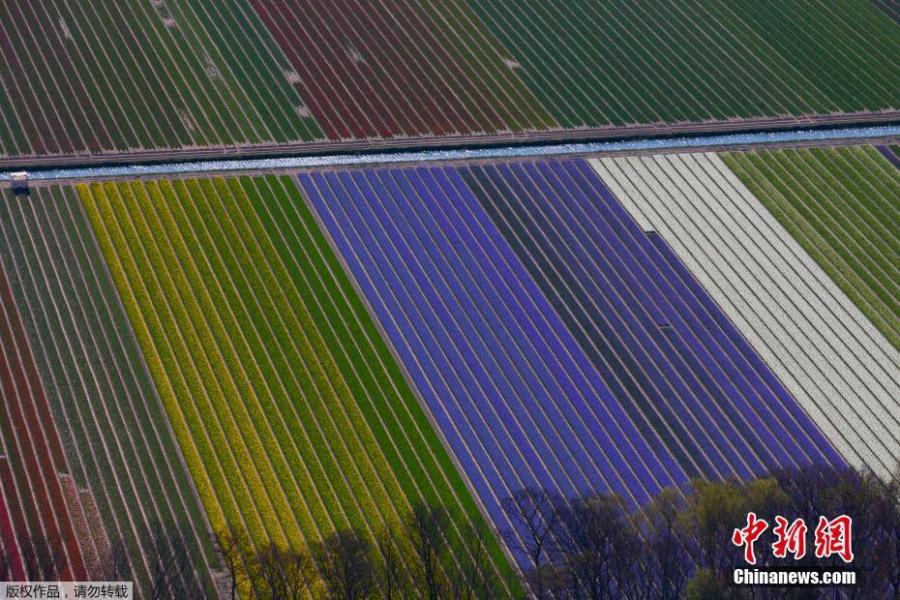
(114, 564)
(282, 574)
(476, 578)
(714, 510)
(594, 545)
(170, 565)
(390, 572)
(346, 565)
(427, 532)
(232, 548)
(631, 566)
(669, 545)
(535, 517)
(873, 503)
(706, 586)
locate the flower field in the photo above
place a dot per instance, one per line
(558, 345)
(33, 459)
(452, 299)
(117, 440)
(841, 205)
(400, 69)
(81, 80)
(826, 353)
(594, 63)
(284, 357)
(293, 417)
(14, 568)
(687, 378)
(135, 75)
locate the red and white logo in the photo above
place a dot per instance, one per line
(835, 537)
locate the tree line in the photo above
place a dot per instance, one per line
(594, 547)
(421, 559)
(679, 545)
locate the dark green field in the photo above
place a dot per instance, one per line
(595, 63)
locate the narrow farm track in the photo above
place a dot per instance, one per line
(841, 205)
(687, 378)
(837, 365)
(121, 448)
(33, 452)
(516, 398)
(283, 435)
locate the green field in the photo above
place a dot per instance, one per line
(841, 205)
(596, 62)
(293, 417)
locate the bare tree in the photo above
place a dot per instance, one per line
(476, 578)
(170, 565)
(669, 544)
(346, 565)
(427, 531)
(299, 573)
(267, 574)
(594, 529)
(390, 570)
(282, 574)
(535, 516)
(114, 565)
(892, 535)
(233, 547)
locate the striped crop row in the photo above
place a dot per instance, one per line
(399, 68)
(284, 358)
(118, 441)
(837, 365)
(292, 415)
(593, 62)
(13, 567)
(689, 376)
(85, 78)
(32, 460)
(556, 344)
(841, 205)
